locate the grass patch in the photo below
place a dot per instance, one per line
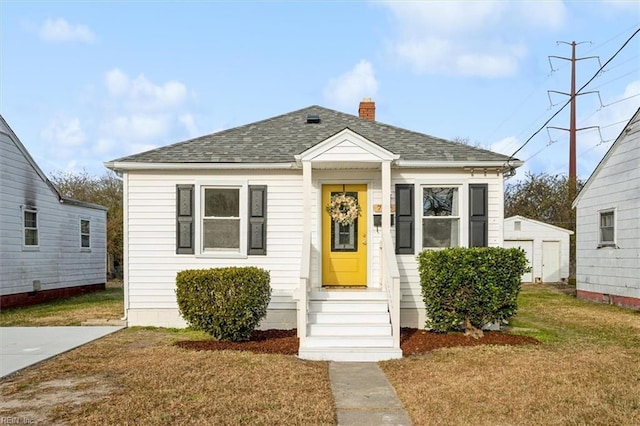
(137, 376)
(106, 304)
(586, 372)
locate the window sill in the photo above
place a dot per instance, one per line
(85, 250)
(30, 248)
(608, 245)
(221, 256)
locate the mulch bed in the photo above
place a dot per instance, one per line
(412, 342)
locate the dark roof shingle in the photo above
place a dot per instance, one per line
(278, 139)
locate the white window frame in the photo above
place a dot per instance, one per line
(462, 194)
(602, 243)
(85, 219)
(25, 246)
(242, 187)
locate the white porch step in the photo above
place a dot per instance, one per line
(350, 329)
(349, 354)
(353, 342)
(347, 306)
(323, 317)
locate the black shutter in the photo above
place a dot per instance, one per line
(405, 222)
(478, 215)
(184, 219)
(257, 220)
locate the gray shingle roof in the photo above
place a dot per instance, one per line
(278, 139)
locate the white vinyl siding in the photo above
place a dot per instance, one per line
(615, 186)
(152, 263)
(58, 261)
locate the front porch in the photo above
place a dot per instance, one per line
(355, 325)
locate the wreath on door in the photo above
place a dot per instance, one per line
(343, 209)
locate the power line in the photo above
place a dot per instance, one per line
(577, 92)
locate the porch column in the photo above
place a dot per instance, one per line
(306, 196)
(386, 196)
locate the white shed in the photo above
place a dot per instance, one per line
(546, 246)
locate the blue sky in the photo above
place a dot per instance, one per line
(86, 82)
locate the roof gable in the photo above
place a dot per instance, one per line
(346, 144)
(633, 126)
(537, 223)
(280, 139)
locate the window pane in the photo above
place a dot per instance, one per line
(440, 232)
(30, 220)
(30, 237)
(606, 235)
(84, 227)
(86, 241)
(221, 202)
(221, 234)
(440, 202)
(606, 219)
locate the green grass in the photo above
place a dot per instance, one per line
(552, 317)
(106, 304)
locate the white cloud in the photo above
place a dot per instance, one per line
(141, 94)
(469, 38)
(346, 90)
(189, 124)
(505, 146)
(63, 132)
(59, 30)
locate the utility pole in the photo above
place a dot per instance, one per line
(572, 118)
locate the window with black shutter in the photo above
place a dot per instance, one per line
(405, 221)
(257, 244)
(184, 219)
(478, 215)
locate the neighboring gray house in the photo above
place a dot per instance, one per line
(546, 246)
(608, 224)
(52, 246)
(257, 195)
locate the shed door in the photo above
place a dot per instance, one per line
(344, 247)
(551, 261)
(527, 246)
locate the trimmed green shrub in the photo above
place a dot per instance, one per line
(471, 286)
(227, 303)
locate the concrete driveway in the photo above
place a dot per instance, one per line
(21, 347)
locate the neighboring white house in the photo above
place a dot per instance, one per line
(52, 246)
(608, 224)
(257, 195)
(546, 247)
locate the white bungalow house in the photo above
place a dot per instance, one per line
(546, 247)
(52, 246)
(258, 195)
(608, 225)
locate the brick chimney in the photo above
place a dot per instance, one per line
(367, 109)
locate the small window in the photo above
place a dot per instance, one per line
(30, 227)
(221, 219)
(85, 233)
(607, 228)
(517, 225)
(440, 217)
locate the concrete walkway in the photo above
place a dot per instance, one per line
(364, 396)
(21, 347)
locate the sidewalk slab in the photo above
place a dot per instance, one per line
(364, 396)
(21, 347)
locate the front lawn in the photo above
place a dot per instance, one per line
(587, 371)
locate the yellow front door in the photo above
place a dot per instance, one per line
(344, 247)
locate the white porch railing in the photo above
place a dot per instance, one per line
(303, 295)
(390, 277)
